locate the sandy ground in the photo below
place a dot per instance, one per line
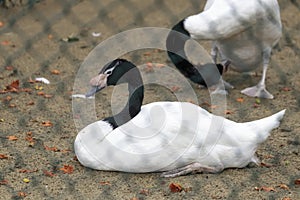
(37, 131)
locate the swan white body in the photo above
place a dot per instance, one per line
(165, 136)
(244, 33)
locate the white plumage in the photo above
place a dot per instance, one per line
(166, 136)
(243, 34)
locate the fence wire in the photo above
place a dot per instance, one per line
(51, 38)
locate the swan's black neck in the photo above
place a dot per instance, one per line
(136, 95)
(175, 46)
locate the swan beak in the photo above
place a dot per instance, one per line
(98, 83)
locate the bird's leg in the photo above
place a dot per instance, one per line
(260, 89)
(192, 169)
(214, 52)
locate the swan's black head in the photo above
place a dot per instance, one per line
(113, 73)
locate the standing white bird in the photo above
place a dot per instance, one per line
(243, 35)
(176, 138)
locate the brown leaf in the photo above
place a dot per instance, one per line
(284, 186)
(105, 183)
(47, 123)
(286, 198)
(1, 24)
(3, 156)
(12, 105)
(241, 99)
(55, 72)
(266, 165)
(27, 170)
(144, 192)
(22, 194)
(48, 95)
(9, 68)
(3, 182)
(286, 89)
(266, 189)
(41, 93)
(5, 42)
(30, 103)
(51, 148)
(297, 181)
(175, 88)
(12, 138)
(15, 84)
(175, 187)
(47, 173)
(67, 169)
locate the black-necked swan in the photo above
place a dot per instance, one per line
(176, 138)
(243, 35)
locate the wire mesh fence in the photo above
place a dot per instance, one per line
(51, 38)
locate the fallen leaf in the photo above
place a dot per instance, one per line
(175, 187)
(47, 124)
(241, 99)
(286, 198)
(265, 165)
(144, 192)
(105, 183)
(159, 65)
(266, 189)
(47, 173)
(27, 170)
(12, 138)
(9, 68)
(51, 149)
(1, 24)
(22, 194)
(286, 89)
(67, 169)
(12, 105)
(284, 186)
(30, 103)
(175, 88)
(55, 72)
(3, 156)
(134, 198)
(37, 87)
(41, 93)
(149, 67)
(5, 42)
(50, 36)
(26, 180)
(3, 182)
(48, 96)
(297, 181)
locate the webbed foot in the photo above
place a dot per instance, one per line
(257, 91)
(191, 169)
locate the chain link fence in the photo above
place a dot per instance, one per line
(51, 38)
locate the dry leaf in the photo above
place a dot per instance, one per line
(175, 187)
(41, 93)
(47, 124)
(1, 24)
(12, 105)
(105, 183)
(51, 148)
(26, 180)
(144, 192)
(175, 88)
(241, 99)
(30, 103)
(264, 188)
(297, 181)
(47, 173)
(284, 186)
(286, 89)
(286, 198)
(48, 95)
(22, 194)
(3, 182)
(5, 42)
(67, 169)
(55, 72)
(266, 165)
(3, 156)
(12, 138)
(27, 170)
(9, 68)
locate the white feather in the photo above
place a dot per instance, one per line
(168, 135)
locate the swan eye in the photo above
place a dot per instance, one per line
(109, 72)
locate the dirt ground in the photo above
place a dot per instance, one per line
(37, 129)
